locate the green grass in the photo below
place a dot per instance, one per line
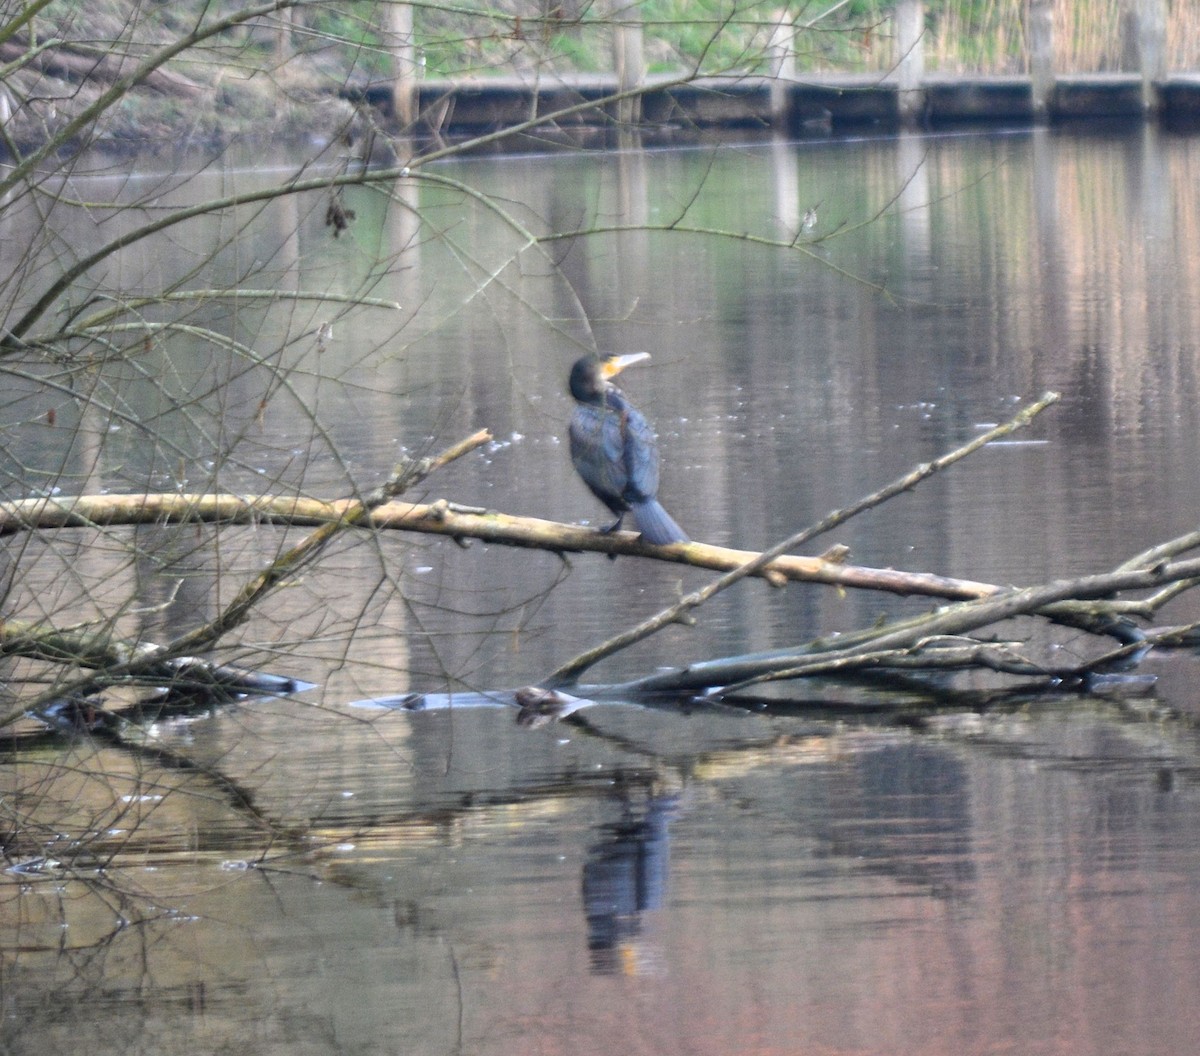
(725, 36)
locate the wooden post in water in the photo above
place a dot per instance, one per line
(628, 60)
(910, 60)
(781, 59)
(404, 53)
(1039, 31)
(1143, 45)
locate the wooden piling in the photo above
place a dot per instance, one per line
(781, 59)
(910, 58)
(628, 60)
(404, 55)
(1144, 36)
(1039, 31)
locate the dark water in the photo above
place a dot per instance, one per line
(1017, 880)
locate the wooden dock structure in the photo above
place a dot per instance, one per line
(809, 106)
(793, 102)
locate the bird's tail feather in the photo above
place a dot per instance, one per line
(656, 525)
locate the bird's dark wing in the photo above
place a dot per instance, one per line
(598, 452)
(640, 454)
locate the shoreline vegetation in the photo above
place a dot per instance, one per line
(307, 71)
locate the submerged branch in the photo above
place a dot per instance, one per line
(876, 648)
(99, 651)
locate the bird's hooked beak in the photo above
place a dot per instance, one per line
(611, 366)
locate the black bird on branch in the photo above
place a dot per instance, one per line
(614, 449)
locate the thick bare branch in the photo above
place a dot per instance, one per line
(71, 61)
(458, 522)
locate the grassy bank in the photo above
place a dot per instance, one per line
(962, 36)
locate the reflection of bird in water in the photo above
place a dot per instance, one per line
(614, 450)
(624, 876)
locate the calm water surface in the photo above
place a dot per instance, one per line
(1015, 880)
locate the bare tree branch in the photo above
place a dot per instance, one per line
(462, 522)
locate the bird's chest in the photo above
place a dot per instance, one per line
(600, 433)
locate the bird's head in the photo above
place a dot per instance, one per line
(611, 365)
(592, 376)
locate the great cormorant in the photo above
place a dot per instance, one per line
(614, 450)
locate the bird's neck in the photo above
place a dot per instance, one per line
(615, 398)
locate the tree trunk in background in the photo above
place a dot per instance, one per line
(283, 38)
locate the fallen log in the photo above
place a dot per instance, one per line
(938, 640)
